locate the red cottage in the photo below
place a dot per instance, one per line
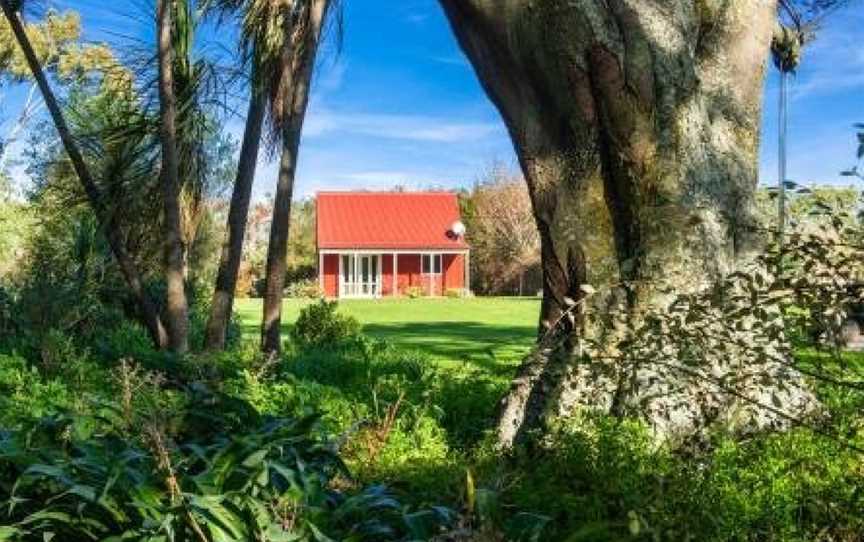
(374, 244)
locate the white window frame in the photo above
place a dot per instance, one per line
(433, 257)
(376, 285)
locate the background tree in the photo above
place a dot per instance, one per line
(302, 259)
(251, 276)
(96, 199)
(15, 222)
(503, 235)
(57, 44)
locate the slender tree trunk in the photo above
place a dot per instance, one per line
(238, 214)
(107, 220)
(636, 125)
(297, 77)
(176, 309)
(277, 250)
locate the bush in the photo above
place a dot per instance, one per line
(60, 357)
(26, 395)
(454, 292)
(321, 326)
(304, 289)
(413, 292)
(109, 476)
(599, 478)
(8, 324)
(223, 486)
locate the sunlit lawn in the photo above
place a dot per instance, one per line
(493, 333)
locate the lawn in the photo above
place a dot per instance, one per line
(489, 332)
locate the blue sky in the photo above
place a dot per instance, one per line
(399, 104)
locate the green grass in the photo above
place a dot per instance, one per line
(491, 333)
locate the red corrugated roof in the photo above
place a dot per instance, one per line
(387, 220)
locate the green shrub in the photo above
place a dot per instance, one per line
(26, 395)
(321, 326)
(289, 396)
(101, 477)
(413, 292)
(60, 357)
(127, 339)
(305, 289)
(8, 323)
(383, 401)
(600, 478)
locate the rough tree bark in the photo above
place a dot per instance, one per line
(636, 125)
(176, 308)
(299, 62)
(232, 248)
(107, 220)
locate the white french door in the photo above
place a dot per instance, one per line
(360, 275)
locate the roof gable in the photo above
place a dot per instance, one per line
(387, 220)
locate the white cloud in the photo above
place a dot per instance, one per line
(331, 76)
(452, 60)
(380, 178)
(398, 127)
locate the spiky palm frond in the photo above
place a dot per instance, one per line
(273, 34)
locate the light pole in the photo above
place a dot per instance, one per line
(781, 155)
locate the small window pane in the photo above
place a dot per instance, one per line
(427, 264)
(438, 264)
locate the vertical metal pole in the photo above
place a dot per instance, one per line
(781, 158)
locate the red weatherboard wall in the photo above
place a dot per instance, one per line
(409, 271)
(452, 275)
(454, 271)
(331, 275)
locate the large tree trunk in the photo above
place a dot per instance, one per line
(299, 64)
(176, 309)
(636, 124)
(107, 220)
(232, 248)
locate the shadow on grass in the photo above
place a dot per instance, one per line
(495, 349)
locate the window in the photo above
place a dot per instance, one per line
(431, 264)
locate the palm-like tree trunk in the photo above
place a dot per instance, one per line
(298, 66)
(232, 249)
(107, 220)
(176, 309)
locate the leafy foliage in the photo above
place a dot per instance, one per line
(320, 325)
(117, 475)
(306, 288)
(504, 240)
